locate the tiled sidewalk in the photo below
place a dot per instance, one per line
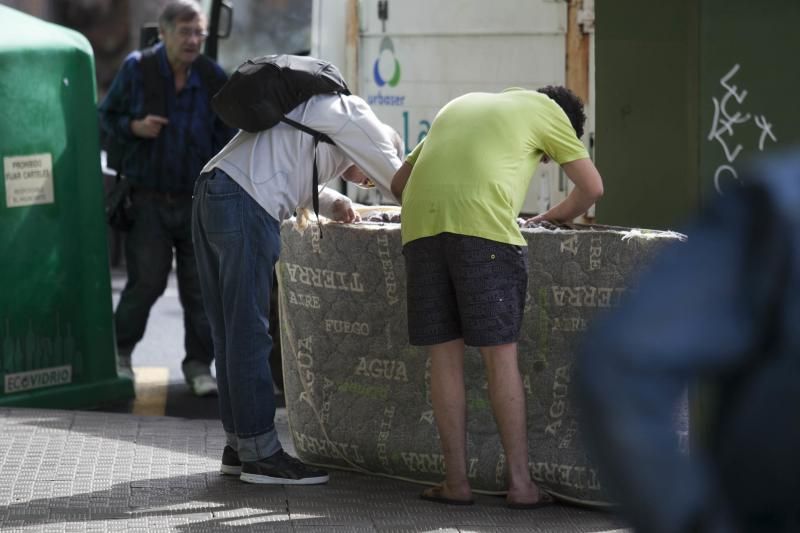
(92, 471)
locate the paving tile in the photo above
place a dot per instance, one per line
(70, 471)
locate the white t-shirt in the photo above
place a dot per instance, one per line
(275, 166)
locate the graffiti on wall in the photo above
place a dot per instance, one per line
(731, 116)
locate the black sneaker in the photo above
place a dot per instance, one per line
(231, 465)
(282, 469)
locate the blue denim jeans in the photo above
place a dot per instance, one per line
(237, 245)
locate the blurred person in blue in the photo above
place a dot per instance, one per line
(721, 310)
(165, 150)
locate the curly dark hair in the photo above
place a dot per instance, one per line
(570, 103)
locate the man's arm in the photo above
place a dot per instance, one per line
(588, 189)
(116, 108)
(365, 140)
(400, 180)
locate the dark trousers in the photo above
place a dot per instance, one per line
(162, 224)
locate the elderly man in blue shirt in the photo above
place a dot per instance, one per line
(165, 150)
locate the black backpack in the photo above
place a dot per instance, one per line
(262, 90)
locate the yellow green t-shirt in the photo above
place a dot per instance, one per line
(471, 173)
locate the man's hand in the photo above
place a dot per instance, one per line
(342, 211)
(148, 127)
(539, 221)
(588, 189)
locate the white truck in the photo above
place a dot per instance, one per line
(408, 58)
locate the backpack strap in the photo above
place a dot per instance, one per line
(155, 98)
(212, 81)
(318, 137)
(154, 91)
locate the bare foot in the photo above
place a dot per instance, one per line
(524, 494)
(442, 493)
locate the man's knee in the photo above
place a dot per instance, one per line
(145, 291)
(499, 356)
(500, 362)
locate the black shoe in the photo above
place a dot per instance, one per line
(282, 469)
(231, 465)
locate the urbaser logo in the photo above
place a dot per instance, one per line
(386, 69)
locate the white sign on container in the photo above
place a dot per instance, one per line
(36, 379)
(28, 179)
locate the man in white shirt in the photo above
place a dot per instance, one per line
(245, 191)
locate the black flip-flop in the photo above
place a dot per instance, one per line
(436, 497)
(544, 501)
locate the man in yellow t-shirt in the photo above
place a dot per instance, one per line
(462, 189)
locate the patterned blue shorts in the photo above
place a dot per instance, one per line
(464, 287)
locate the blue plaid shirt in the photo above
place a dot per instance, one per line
(172, 161)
